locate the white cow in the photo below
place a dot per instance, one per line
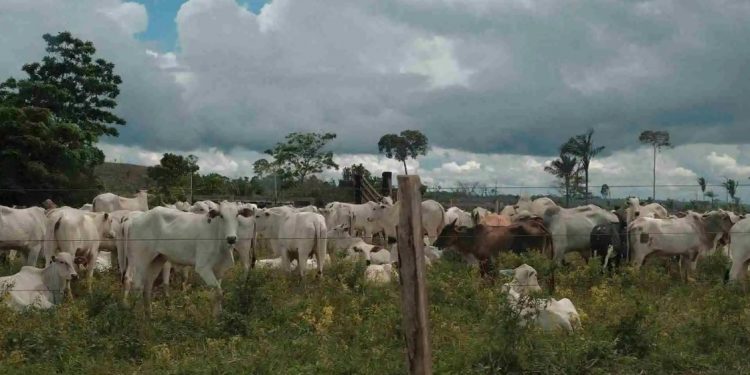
(508, 210)
(357, 216)
(461, 217)
(114, 245)
(687, 237)
(433, 218)
(739, 250)
(537, 207)
(245, 245)
(307, 209)
(79, 233)
(182, 206)
(571, 227)
(294, 235)
(182, 238)
(203, 207)
(635, 210)
(25, 230)
(109, 202)
(549, 314)
(379, 273)
(38, 287)
(87, 207)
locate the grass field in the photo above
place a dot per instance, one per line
(647, 322)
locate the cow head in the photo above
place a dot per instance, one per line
(226, 215)
(63, 266)
(451, 234)
(524, 281)
(717, 222)
(108, 230)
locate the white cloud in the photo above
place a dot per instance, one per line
(131, 17)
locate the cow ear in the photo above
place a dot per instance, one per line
(106, 216)
(268, 213)
(213, 213)
(53, 259)
(79, 260)
(246, 212)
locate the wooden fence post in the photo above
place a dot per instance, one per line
(386, 187)
(358, 189)
(414, 305)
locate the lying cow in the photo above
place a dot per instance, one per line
(549, 314)
(483, 243)
(37, 287)
(379, 273)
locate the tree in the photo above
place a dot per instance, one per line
(172, 171)
(564, 168)
(410, 143)
(730, 186)
(657, 140)
(39, 151)
(74, 85)
(582, 147)
(299, 156)
(702, 184)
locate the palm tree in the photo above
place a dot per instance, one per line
(710, 195)
(657, 140)
(731, 186)
(564, 168)
(702, 184)
(582, 147)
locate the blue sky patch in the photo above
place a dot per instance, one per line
(161, 25)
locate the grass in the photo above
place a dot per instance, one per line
(633, 322)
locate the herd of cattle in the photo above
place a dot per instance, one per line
(145, 244)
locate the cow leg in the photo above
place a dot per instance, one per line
(166, 274)
(153, 271)
(285, 261)
(114, 259)
(34, 251)
(685, 266)
(91, 264)
(245, 259)
(185, 278)
(207, 274)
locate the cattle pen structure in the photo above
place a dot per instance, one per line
(440, 316)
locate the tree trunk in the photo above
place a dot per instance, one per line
(406, 171)
(586, 173)
(653, 187)
(567, 192)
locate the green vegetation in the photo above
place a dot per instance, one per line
(408, 144)
(299, 156)
(633, 322)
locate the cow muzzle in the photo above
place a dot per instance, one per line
(231, 240)
(74, 276)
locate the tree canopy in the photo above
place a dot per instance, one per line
(410, 143)
(72, 83)
(582, 147)
(299, 156)
(565, 168)
(172, 172)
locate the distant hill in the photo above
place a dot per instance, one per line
(120, 178)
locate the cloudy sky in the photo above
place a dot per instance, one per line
(496, 85)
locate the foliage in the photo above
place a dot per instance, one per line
(38, 151)
(582, 147)
(172, 172)
(72, 83)
(730, 186)
(410, 143)
(702, 184)
(301, 155)
(565, 168)
(634, 322)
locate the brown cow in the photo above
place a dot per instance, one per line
(485, 242)
(495, 220)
